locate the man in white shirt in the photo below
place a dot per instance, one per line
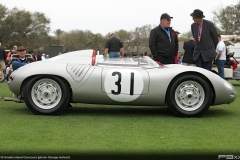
(221, 57)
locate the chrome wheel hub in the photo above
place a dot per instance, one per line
(189, 95)
(46, 93)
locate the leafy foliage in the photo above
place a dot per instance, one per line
(22, 27)
(228, 19)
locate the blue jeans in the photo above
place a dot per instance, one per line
(202, 64)
(220, 66)
(114, 54)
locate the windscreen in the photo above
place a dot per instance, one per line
(144, 62)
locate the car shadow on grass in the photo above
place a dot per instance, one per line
(236, 84)
(100, 110)
(125, 111)
(217, 112)
(138, 111)
(24, 110)
(143, 111)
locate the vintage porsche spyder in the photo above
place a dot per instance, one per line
(48, 87)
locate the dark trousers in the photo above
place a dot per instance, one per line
(166, 60)
(206, 65)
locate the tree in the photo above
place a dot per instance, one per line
(135, 42)
(58, 33)
(98, 42)
(185, 36)
(3, 14)
(80, 40)
(228, 19)
(22, 27)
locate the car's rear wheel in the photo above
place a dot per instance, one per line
(189, 96)
(48, 95)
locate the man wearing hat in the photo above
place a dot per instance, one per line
(206, 40)
(163, 41)
(20, 59)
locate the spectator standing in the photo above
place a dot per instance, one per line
(221, 56)
(39, 57)
(35, 56)
(43, 57)
(21, 58)
(114, 47)
(9, 55)
(2, 63)
(163, 41)
(206, 40)
(188, 47)
(147, 54)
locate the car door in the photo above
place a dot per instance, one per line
(124, 84)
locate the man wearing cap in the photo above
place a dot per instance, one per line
(163, 41)
(21, 59)
(206, 40)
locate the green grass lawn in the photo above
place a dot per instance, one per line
(112, 130)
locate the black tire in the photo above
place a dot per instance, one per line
(47, 95)
(189, 96)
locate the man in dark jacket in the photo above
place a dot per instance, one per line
(206, 39)
(163, 41)
(188, 47)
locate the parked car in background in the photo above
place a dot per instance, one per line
(231, 68)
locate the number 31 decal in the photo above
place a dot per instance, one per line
(123, 85)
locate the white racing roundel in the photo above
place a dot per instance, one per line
(123, 85)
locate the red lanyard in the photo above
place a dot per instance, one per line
(199, 32)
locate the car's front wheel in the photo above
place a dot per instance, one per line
(189, 96)
(48, 95)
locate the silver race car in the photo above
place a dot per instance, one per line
(48, 87)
